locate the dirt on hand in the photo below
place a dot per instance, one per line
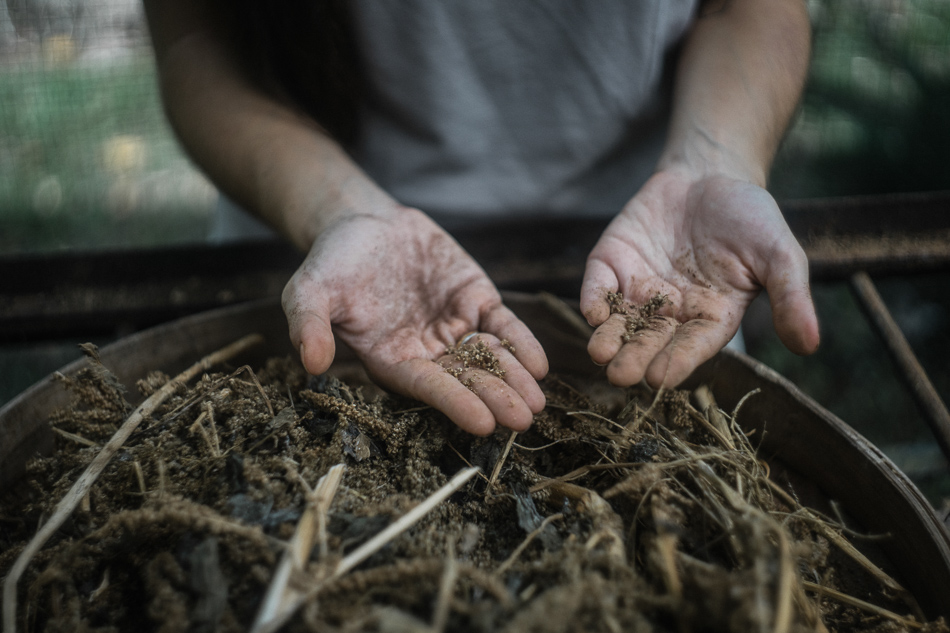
(619, 510)
(477, 355)
(637, 316)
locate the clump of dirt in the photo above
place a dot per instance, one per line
(628, 511)
(637, 316)
(477, 355)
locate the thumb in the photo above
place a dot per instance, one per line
(599, 278)
(793, 311)
(316, 345)
(310, 333)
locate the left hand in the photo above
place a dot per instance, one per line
(710, 244)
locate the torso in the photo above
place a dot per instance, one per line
(499, 107)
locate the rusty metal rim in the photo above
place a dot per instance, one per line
(795, 429)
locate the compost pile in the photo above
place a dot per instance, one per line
(619, 510)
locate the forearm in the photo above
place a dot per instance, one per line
(737, 85)
(270, 159)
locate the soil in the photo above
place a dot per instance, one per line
(475, 355)
(637, 316)
(619, 510)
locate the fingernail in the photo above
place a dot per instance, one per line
(303, 356)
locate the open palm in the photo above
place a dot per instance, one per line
(399, 291)
(710, 245)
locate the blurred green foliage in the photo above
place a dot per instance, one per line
(87, 160)
(875, 117)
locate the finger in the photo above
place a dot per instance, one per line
(693, 343)
(505, 404)
(310, 332)
(607, 339)
(317, 347)
(599, 279)
(511, 372)
(630, 364)
(793, 311)
(503, 323)
(427, 382)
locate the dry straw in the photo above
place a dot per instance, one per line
(80, 489)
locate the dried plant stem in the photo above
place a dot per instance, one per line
(207, 408)
(607, 524)
(851, 551)
(861, 604)
(406, 521)
(160, 464)
(501, 460)
(786, 580)
(666, 548)
(580, 472)
(747, 512)
(140, 477)
(68, 503)
(657, 396)
(372, 546)
(466, 462)
(546, 446)
(281, 596)
(725, 440)
(717, 422)
(623, 430)
(561, 309)
(742, 401)
(257, 383)
(76, 438)
(808, 609)
(197, 426)
(527, 541)
(441, 615)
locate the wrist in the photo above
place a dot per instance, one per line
(699, 154)
(315, 203)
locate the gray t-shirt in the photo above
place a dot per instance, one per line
(482, 108)
(515, 106)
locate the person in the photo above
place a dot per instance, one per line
(515, 106)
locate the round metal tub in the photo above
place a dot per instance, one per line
(827, 459)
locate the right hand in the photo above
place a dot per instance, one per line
(399, 291)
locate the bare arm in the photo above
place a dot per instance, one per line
(272, 160)
(384, 277)
(702, 230)
(738, 82)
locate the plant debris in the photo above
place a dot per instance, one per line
(477, 355)
(637, 316)
(619, 509)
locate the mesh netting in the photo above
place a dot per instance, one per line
(875, 117)
(86, 156)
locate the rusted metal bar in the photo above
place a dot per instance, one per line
(840, 256)
(63, 294)
(887, 234)
(99, 293)
(922, 212)
(935, 412)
